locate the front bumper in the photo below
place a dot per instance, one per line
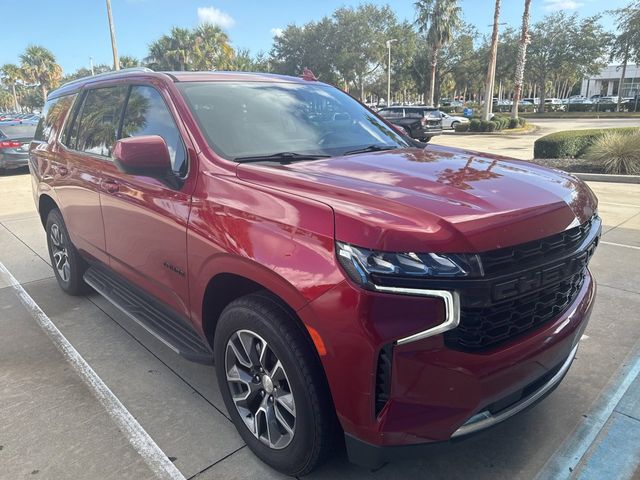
(373, 456)
(436, 393)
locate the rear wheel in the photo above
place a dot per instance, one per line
(68, 265)
(273, 385)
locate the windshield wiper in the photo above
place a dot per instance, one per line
(279, 157)
(370, 148)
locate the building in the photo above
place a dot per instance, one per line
(607, 82)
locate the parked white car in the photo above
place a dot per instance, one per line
(449, 121)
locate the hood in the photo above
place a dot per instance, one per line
(435, 199)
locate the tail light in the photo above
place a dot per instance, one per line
(10, 144)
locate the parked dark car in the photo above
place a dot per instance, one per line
(421, 123)
(342, 281)
(631, 104)
(14, 146)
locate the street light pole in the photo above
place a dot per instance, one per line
(389, 42)
(112, 30)
(92, 71)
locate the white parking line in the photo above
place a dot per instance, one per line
(620, 245)
(154, 457)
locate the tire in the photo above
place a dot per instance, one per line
(454, 125)
(70, 274)
(253, 321)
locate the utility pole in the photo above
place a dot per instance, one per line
(112, 30)
(91, 62)
(389, 42)
(491, 70)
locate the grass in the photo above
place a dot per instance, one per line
(618, 153)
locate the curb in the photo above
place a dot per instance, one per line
(605, 177)
(509, 131)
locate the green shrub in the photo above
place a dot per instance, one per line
(462, 127)
(572, 143)
(617, 152)
(522, 121)
(503, 122)
(474, 125)
(491, 126)
(514, 123)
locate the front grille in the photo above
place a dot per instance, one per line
(524, 287)
(535, 252)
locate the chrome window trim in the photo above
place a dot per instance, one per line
(451, 307)
(485, 419)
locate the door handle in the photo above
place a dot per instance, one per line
(110, 186)
(62, 170)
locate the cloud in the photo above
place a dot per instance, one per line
(214, 16)
(277, 32)
(555, 5)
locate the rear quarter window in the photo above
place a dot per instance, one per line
(52, 118)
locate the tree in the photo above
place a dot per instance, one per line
(10, 76)
(299, 47)
(212, 50)
(626, 45)
(436, 19)
(359, 36)
(127, 61)
(39, 66)
(565, 46)
(491, 69)
(522, 60)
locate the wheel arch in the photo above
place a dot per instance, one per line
(45, 204)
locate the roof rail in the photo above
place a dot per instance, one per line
(106, 74)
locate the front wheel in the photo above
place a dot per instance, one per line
(454, 125)
(273, 385)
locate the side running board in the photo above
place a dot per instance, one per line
(157, 319)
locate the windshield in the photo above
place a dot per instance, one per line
(250, 119)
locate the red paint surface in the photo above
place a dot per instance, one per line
(276, 225)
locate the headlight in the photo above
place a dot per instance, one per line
(365, 266)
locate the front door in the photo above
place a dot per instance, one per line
(145, 220)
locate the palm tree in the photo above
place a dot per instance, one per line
(127, 61)
(437, 19)
(491, 69)
(39, 66)
(10, 76)
(212, 48)
(181, 47)
(522, 60)
(172, 52)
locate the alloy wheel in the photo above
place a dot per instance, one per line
(59, 253)
(260, 389)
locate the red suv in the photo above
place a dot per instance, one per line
(343, 279)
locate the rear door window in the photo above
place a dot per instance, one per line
(99, 120)
(148, 114)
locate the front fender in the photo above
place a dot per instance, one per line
(281, 241)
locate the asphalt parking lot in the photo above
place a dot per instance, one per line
(53, 426)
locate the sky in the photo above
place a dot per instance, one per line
(75, 30)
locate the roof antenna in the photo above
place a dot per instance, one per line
(308, 75)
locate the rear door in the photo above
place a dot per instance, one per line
(83, 155)
(145, 220)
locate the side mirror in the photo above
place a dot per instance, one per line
(146, 155)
